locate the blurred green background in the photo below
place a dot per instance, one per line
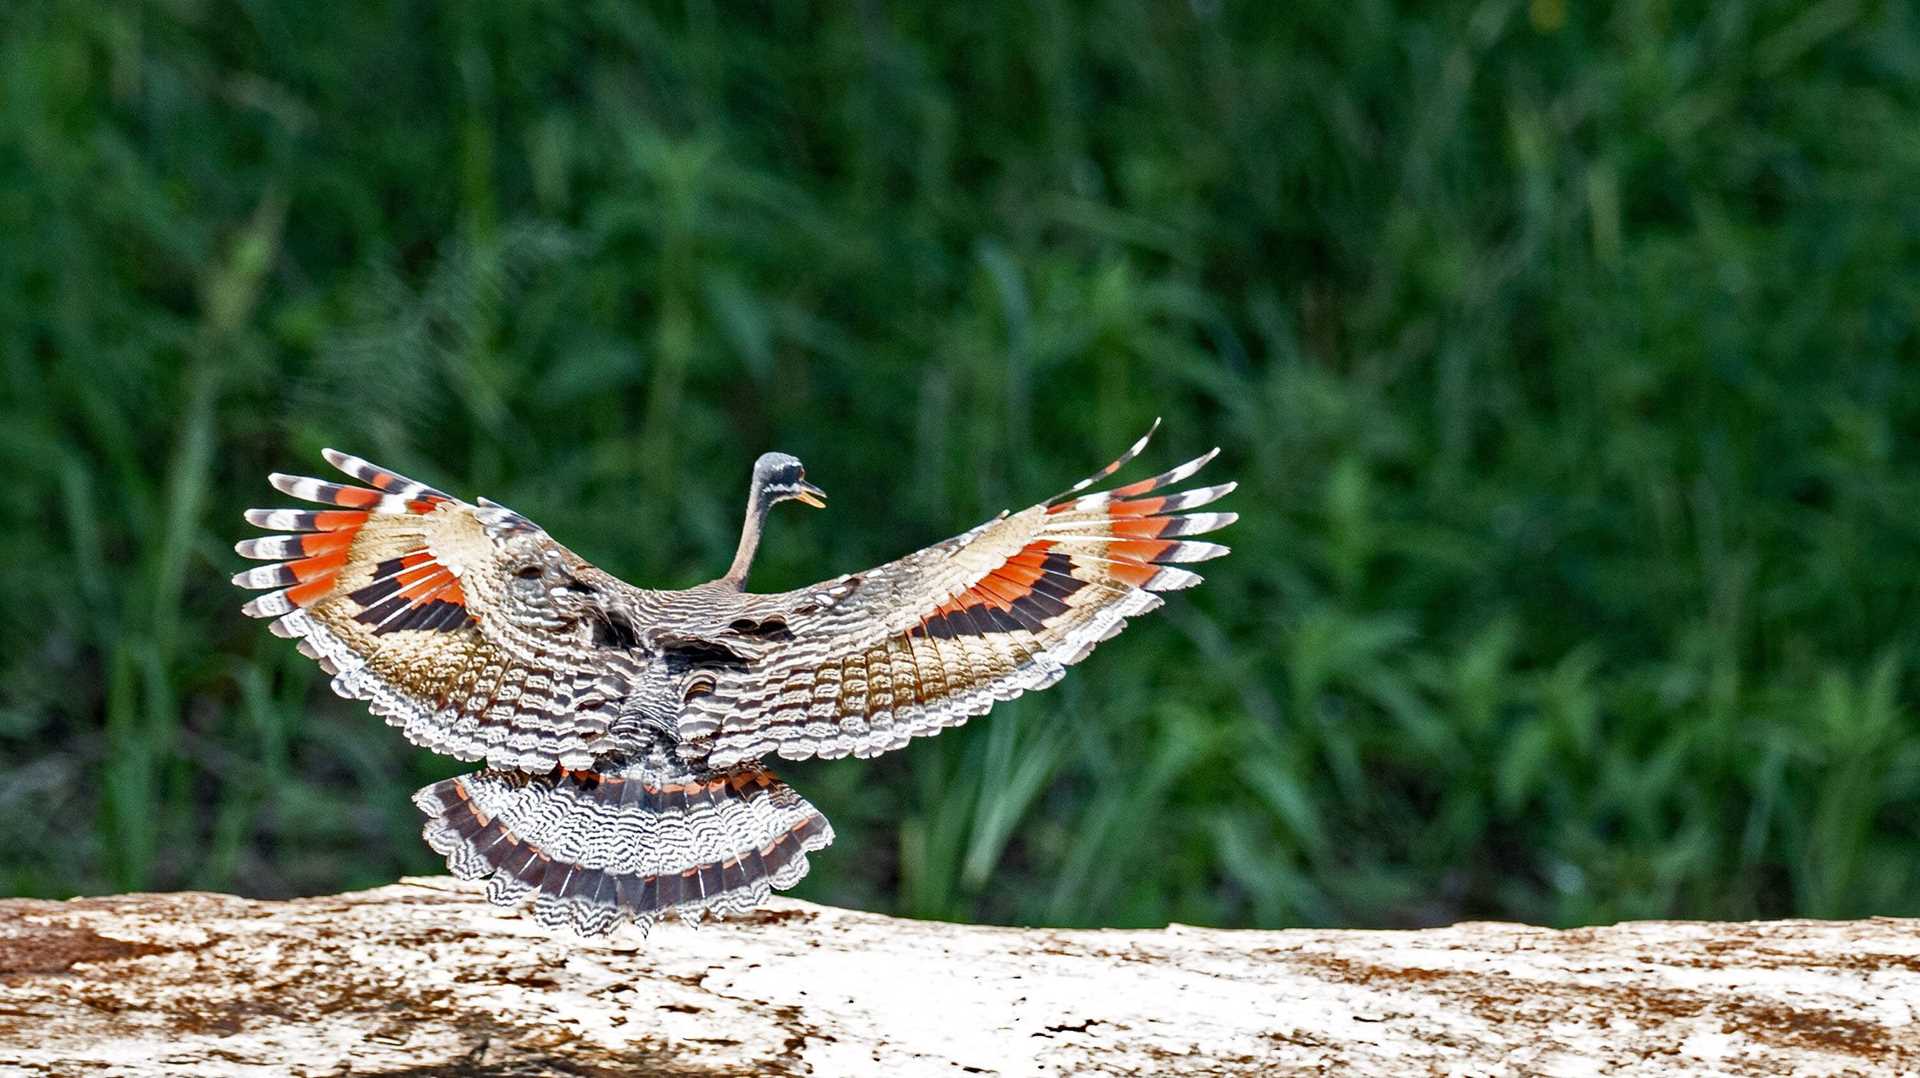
(1566, 355)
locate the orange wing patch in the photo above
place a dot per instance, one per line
(1102, 539)
(411, 591)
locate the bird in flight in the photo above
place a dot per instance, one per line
(624, 729)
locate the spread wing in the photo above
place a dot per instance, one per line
(860, 664)
(425, 606)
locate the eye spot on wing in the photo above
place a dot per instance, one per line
(412, 592)
(1024, 592)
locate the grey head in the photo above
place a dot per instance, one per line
(777, 477)
(780, 476)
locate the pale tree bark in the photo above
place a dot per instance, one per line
(425, 978)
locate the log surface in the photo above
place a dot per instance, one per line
(424, 978)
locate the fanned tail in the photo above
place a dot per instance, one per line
(594, 849)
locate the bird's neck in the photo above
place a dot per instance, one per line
(749, 541)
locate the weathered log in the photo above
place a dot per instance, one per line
(423, 977)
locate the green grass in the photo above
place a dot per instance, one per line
(1566, 355)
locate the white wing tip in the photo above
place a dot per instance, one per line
(1171, 579)
(296, 486)
(271, 605)
(1192, 550)
(1144, 438)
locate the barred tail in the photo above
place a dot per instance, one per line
(594, 849)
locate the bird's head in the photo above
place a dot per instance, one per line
(779, 476)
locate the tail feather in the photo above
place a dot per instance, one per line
(594, 849)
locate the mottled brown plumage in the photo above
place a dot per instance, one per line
(623, 728)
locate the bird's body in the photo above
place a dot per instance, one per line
(623, 728)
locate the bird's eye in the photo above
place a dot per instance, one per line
(531, 572)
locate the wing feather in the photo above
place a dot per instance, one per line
(397, 592)
(928, 641)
